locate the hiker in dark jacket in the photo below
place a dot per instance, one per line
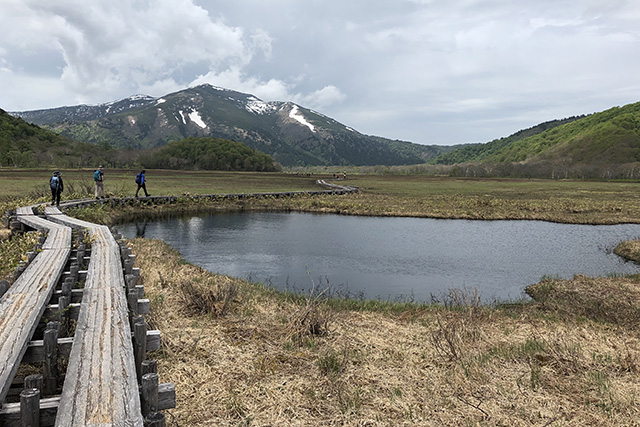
(57, 186)
(142, 183)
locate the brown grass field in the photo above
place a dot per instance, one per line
(249, 356)
(241, 354)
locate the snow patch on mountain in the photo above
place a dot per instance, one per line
(161, 101)
(197, 119)
(295, 114)
(256, 106)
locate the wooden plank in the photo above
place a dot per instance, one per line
(10, 413)
(100, 386)
(25, 301)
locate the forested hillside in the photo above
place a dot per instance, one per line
(479, 152)
(209, 154)
(610, 137)
(601, 145)
(27, 145)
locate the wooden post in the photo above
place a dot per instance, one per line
(82, 249)
(125, 251)
(63, 313)
(4, 287)
(66, 287)
(132, 300)
(149, 394)
(73, 271)
(155, 420)
(21, 268)
(139, 344)
(149, 367)
(130, 280)
(30, 407)
(34, 381)
(128, 265)
(50, 366)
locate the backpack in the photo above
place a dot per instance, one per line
(139, 179)
(54, 182)
(96, 175)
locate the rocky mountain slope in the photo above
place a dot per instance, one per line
(291, 134)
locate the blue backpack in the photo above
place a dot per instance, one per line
(55, 181)
(139, 178)
(96, 176)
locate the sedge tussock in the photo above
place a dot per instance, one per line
(535, 364)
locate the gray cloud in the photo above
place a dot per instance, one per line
(429, 71)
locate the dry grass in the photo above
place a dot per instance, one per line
(541, 364)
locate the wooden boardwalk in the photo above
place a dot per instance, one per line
(105, 383)
(24, 303)
(101, 387)
(108, 382)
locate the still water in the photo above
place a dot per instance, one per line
(392, 258)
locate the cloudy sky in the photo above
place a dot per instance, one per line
(427, 71)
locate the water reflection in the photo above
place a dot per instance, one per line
(391, 257)
(141, 228)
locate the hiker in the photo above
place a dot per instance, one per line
(98, 178)
(57, 186)
(142, 183)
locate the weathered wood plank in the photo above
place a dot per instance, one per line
(100, 386)
(10, 413)
(25, 301)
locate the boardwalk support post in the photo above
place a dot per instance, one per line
(30, 407)
(34, 381)
(50, 366)
(4, 287)
(156, 419)
(139, 343)
(149, 367)
(149, 394)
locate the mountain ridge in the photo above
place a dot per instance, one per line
(292, 134)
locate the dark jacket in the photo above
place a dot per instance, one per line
(60, 183)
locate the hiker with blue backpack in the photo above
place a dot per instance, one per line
(98, 179)
(142, 183)
(57, 186)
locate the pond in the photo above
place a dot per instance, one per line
(392, 258)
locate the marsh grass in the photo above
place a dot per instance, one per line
(453, 363)
(206, 298)
(568, 201)
(13, 250)
(567, 358)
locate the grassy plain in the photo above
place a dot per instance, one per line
(242, 354)
(569, 201)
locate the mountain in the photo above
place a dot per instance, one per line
(607, 138)
(291, 134)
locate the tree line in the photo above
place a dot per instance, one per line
(209, 154)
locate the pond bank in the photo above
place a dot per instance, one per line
(252, 356)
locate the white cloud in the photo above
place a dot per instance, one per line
(423, 70)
